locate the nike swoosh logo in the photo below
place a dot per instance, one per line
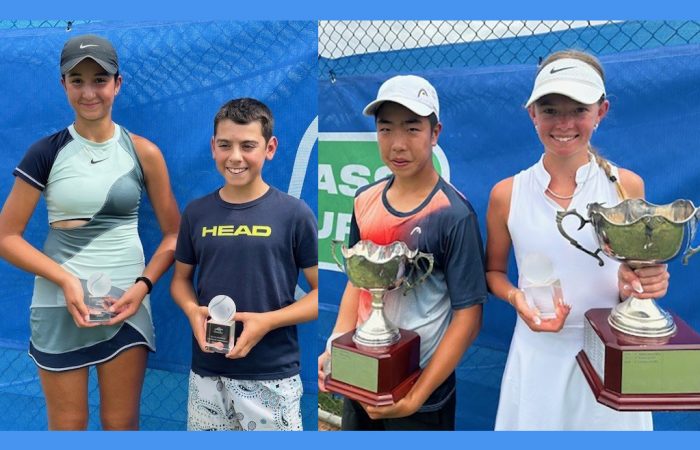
(560, 69)
(92, 161)
(82, 46)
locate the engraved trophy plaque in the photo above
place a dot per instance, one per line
(637, 356)
(220, 326)
(377, 363)
(98, 300)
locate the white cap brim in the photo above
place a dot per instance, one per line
(417, 107)
(576, 90)
(570, 77)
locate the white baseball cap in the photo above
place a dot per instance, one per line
(413, 92)
(570, 77)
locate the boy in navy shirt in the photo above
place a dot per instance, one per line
(248, 241)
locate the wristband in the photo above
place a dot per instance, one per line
(511, 295)
(147, 282)
(332, 338)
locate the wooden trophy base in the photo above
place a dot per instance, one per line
(377, 379)
(629, 373)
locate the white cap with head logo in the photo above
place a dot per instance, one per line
(570, 77)
(411, 91)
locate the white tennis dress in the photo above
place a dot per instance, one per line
(543, 387)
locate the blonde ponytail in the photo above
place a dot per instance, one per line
(605, 165)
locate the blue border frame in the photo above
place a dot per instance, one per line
(357, 9)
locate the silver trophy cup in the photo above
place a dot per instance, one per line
(640, 234)
(379, 269)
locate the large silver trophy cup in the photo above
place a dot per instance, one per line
(379, 269)
(640, 234)
(636, 356)
(377, 363)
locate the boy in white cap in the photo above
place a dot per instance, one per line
(416, 206)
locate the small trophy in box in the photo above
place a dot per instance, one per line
(220, 326)
(98, 301)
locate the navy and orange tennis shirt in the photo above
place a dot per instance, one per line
(445, 225)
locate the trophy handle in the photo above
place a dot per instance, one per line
(692, 229)
(334, 245)
(574, 242)
(428, 257)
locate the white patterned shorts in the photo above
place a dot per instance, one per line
(220, 403)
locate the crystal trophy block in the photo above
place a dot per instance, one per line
(542, 290)
(98, 301)
(220, 326)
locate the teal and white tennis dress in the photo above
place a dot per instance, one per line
(100, 183)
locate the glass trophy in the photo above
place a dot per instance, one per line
(98, 301)
(220, 326)
(542, 290)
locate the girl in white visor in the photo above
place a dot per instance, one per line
(542, 386)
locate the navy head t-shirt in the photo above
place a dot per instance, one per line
(251, 252)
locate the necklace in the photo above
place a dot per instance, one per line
(562, 197)
(578, 187)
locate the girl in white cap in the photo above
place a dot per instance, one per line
(92, 174)
(542, 386)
